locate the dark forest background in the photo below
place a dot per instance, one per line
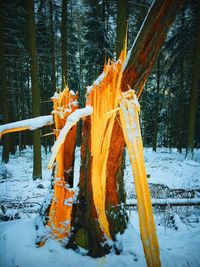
(73, 40)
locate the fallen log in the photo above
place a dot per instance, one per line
(172, 202)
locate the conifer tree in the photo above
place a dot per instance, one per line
(37, 169)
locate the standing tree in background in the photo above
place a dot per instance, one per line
(194, 87)
(99, 45)
(64, 43)
(52, 47)
(122, 16)
(180, 114)
(37, 169)
(4, 86)
(156, 108)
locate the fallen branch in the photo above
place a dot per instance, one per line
(169, 202)
(30, 124)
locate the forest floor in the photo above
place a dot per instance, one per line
(170, 175)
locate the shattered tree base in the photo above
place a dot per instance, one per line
(83, 221)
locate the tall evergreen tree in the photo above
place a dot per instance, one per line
(64, 43)
(37, 169)
(4, 85)
(194, 86)
(52, 47)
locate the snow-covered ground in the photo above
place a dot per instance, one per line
(178, 228)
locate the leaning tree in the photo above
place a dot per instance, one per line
(92, 216)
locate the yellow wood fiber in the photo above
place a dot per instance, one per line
(129, 118)
(62, 202)
(104, 99)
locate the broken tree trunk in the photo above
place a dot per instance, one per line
(59, 216)
(136, 68)
(90, 222)
(102, 151)
(138, 65)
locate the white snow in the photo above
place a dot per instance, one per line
(179, 245)
(31, 124)
(55, 96)
(99, 79)
(72, 119)
(96, 82)
(72, 92)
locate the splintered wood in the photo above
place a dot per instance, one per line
(104, 101)
(103, 97)
(61, 207)
(129, 109)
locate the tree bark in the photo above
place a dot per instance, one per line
(194, 88)
(146, 48)
(86, 233)
(4, 86)
(122, 16)
(37, 162)
(135, 73)
(64, 43)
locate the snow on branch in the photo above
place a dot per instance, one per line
(29, 124)
(70, 122)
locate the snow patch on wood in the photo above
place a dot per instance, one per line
(71, 121)
(29, 124)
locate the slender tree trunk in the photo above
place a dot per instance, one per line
(52, 49)
(156, 109)
(180, 116)
(194, 88)
(64, 43)
(169, 121)
(4, 86)
(37, 169)
(122, 16)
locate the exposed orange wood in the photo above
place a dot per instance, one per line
(103, 97)
(69, 155)
(18, 129)
(61, 207)
(71, 121)
(131, 128)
